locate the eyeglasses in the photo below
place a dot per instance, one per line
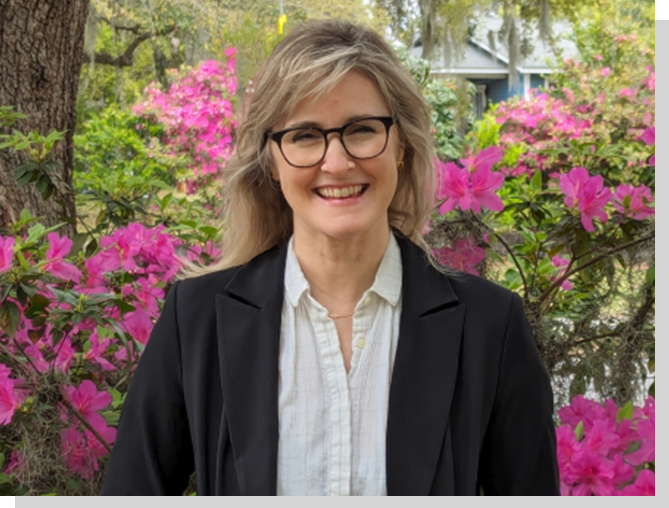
(303, 147)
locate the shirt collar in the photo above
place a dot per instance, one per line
(387, 283)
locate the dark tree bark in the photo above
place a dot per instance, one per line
(41, 52)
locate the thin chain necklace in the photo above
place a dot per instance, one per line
(339, 316)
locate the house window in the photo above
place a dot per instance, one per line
(480, 101)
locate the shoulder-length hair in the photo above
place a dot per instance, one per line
(310, 62)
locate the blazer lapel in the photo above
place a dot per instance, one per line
(248, 317)
(424, 375)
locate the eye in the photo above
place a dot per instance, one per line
(364, 128)
(304, 136)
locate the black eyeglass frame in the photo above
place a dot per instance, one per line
(277, 136)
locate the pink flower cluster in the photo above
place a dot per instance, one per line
(588, 194)
(603, 452)
(81, 448)
(472, 186)
(133, 265)
(198, 115)
(546, 124)
(561, 264)
(8, 395)
(463, 255)
(539, 122)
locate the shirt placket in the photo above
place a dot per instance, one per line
(340, 411)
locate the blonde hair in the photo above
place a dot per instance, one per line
(310, 62)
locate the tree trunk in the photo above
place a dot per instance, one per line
(41, 52)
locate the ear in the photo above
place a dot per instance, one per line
(400, 156)
(273, 172)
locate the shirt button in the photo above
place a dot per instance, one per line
(360, 343)
(367, 301)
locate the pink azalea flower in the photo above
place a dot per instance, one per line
(87, 400)
(646, 453)
(601, 438)
(586, 192)
(484, 184)
(648, 136)
(626, 92)
(138, 325)
(454, 186)
(569, 451)
(77, 453)
(571, 184)
(6, 253)
(626, 433)
(594, 475)
(58, 249)
(472, 186)
(639, 198)
(65, 356)
(8, 402)
(592, 200)
(606, 71)
(558, 262)
(16, 464)
(464, 255)
(485, 159)
(623, 472)
(581, 410)
(643, 486)
(97, 350)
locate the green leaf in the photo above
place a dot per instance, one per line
(210, 231)
(4, 291)
(626, 412)
(650, 275)
(2, 460)
(123, 306)
(37, 305)
(651, 390)
(10, 316)
(43, 184)
(536, 182)
(578, 431)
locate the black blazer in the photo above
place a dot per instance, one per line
(470, 402)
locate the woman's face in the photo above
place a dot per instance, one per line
(364, 188)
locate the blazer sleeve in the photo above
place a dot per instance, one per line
(519, 451)
(153, 453)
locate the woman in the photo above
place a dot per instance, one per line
(325, 354)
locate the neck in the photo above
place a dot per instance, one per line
(339, 271)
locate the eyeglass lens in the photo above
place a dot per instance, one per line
(363, 139)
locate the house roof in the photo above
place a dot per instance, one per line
(480, 60)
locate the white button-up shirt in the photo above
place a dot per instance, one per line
(332, 425)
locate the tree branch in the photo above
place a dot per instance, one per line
(509, 250)
(557, 282)
(85, 423)
(127, 57)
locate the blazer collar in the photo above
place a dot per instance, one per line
(248, 312)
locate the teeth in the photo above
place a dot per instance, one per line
(340, 193)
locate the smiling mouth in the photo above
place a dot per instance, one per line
(341, 192)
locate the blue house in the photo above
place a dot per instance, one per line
(488, 68)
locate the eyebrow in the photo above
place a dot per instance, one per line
(307, 124)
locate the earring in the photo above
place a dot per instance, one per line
(400, 164)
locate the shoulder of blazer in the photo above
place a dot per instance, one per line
(472, 290)
(197, 294)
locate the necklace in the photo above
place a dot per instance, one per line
(339, 316)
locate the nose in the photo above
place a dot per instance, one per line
(336, 160)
